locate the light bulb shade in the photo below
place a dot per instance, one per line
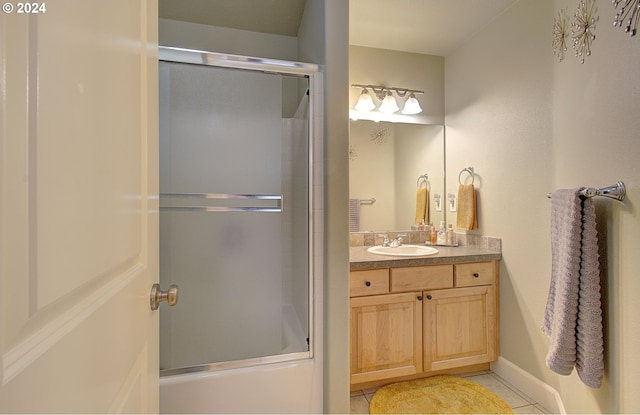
(411, 106)
(389, 104)
(365, 102)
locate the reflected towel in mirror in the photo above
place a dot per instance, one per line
(354, 215)
(422, 206)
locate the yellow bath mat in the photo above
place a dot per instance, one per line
(437, 395)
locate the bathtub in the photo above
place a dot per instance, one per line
(261, 385)
(286, 387)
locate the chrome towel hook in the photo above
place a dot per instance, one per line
(471, 173)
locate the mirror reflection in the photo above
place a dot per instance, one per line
(387, 164)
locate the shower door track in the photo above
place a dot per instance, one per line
(267, 65)
(236, 364)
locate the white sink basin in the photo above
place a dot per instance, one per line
(403, 250)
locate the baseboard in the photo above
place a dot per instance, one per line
(536, 389)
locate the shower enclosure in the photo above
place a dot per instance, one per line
(236, 215)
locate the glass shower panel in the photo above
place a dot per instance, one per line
(234, 215)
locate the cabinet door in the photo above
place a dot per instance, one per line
(386, 336)
(459, 327)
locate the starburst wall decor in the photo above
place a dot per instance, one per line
(560, 34)
(584, 24)
(380, 134)
(629, 8)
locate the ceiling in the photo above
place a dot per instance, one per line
(279, 17)
(432, 27)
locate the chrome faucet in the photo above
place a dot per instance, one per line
(392, 244)
(397, 241)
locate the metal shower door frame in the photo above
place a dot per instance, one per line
(283, 67)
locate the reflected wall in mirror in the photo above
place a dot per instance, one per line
(385, 163)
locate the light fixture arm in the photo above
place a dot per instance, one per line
(388, 103)
(379, 91)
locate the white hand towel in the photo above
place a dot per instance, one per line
(573, 314)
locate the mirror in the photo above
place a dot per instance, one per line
(386, 161)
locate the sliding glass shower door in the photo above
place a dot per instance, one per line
(234, 216)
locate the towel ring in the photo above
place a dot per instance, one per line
(471, 173)
(425, 178)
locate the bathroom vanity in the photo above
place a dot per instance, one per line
(419, 316)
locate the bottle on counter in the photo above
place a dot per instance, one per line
(450, 239)
(442, 234)
(432, 235)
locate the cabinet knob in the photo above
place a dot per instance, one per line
(419, 298)
(429, 297)
(368, 283)
(476, 275)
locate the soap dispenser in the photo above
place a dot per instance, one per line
(442, 234)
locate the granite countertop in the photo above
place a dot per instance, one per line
(359, 258)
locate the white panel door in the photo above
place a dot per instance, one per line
(78, 207)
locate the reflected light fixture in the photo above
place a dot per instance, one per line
(388, 102)
(365, 102)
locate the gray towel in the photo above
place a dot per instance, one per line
(573, 314)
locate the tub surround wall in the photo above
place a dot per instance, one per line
(529, 125)
(224, 40)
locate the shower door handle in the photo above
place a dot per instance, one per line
(158, 296)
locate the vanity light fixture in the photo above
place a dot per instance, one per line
(365, 102)
(389, 103)
(411, 105)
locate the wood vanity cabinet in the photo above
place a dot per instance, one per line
(410, 321)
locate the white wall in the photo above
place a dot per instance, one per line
(530, 125)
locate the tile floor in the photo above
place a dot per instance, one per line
(518, 400)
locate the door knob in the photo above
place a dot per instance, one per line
(158, 296)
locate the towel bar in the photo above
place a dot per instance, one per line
(368, 201)
(471, 173)
(424, 178)
(616, 191)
